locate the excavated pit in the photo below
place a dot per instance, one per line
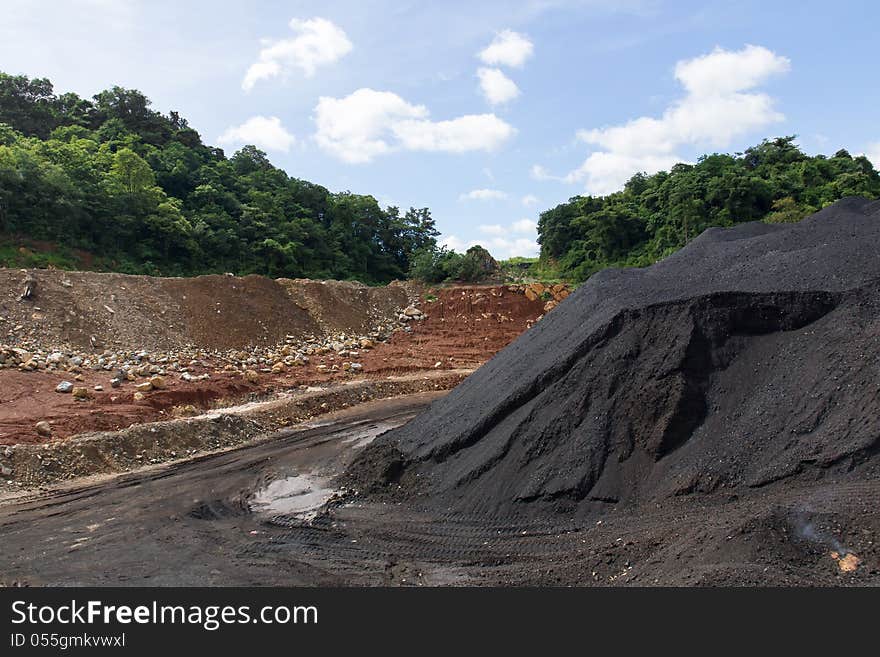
(748, 359)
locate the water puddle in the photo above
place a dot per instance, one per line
(365, 436)
(300, 496)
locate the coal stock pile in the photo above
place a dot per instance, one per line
(739, 377)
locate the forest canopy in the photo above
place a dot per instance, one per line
(140, 192)
(137, 191)
(653, 216)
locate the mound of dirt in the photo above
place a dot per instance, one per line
(85, 309)
(465, 326)
(343, 306)
(451, 328)
(749, 358)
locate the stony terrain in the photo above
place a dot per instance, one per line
(89, 352)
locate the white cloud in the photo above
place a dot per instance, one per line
(500, 246)
(503, 248)
(368, 123)
(873, 154)
(265, 132)
(454, 243)
(496, 87)
(719, 105)
(530, 199)
(508, 48)
(356, 128)
(607, 172)
(317, 42)
(724, 72)
(526, 226)
(472, 132)
(516, 239)
(538, 172)
(520, 238)
(483, 195)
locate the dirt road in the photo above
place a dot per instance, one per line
(247, 517)
(213, 520)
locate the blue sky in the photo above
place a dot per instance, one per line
(486, 112)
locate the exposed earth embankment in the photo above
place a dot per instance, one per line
(83, 352)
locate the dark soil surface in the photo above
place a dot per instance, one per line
(745, 367)
(204, 522)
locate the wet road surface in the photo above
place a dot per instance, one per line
(250, 517)
(212, 520)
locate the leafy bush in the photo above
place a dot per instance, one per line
(438, 265)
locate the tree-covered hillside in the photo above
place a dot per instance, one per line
(656, 215)
(139, 192)
(130, 189)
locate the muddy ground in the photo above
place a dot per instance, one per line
(246, 517)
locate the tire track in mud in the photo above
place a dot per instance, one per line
(192, 523)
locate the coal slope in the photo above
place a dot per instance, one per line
(749, 359)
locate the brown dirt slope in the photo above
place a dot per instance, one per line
(345, 306)
(463, 329)
(208, 312)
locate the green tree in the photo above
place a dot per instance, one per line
(130, 174)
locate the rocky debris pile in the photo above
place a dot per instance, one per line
(147, 370)
(324, 317)
(746, 359)
(411, 313)
(90, 312)
(551, 294)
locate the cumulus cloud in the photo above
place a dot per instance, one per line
(369, 123)
(530, 199)
(873, 154)
(316, 42)
(265, 132)
(501, 246)
(357, 128)
(723, 72)
(504, 247)
(508, 48)
(472, 132)
(454, 243)
(483, 195)
(720, 104)
(497, 88)
(526, 226)
(518, 238)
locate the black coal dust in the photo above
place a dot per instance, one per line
(750, 359)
